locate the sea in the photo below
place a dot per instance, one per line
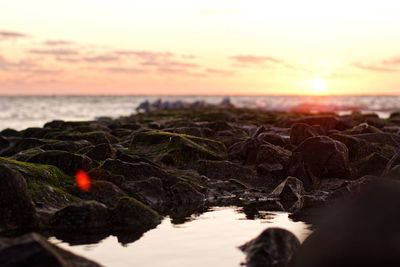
(20, 112)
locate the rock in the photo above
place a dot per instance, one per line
(300, 132)
(101, 152)
(87, 217)
(319, 157)
(16, 207)
(383, 138)
(327, 122)
(273, 247)
(69, 146)
(272, 138)
(223, 170)
(266, 168)
(68, 162)
(373, 164)
(183, 194)
(358, 148)
(104, 192)
(35, 132)
(149, 191)
(131, 213)
(351, 235)
(268, 153)
(246, 150)
(4, 143)
(134, 171)
(104, 175)
(34, 250)
(290, 190)
(10, 133)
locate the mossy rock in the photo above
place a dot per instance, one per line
(46, 184)
(176, 149)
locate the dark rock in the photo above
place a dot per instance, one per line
(69, 146)
(183, 194)
(384, 138)
(34, 250)
(68, 162)
(266, 168)
(327, 122)
(352, 235)
(373, 164)
(223, 170)
(4, 143)
(246, 150)
(35, 132)
(134, 171)
(273, 247)
(290, 190)
(300, 132)
(104, 192)
(16, 207)
(319, 157)
(104, 175)
(358, 148)
(268, 153)
(272, 138)
(149, 191)
(10, 133)
(131, 213)
(89, 216)
(101, 152)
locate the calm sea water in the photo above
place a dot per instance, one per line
(210, 239)
(19, 112)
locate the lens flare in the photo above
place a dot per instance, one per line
(82, 180)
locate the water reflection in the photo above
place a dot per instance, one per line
(210, 239)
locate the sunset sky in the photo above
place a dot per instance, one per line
(199, 47)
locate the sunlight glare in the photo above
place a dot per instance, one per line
(318, 84)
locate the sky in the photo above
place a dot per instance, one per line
(199, 47)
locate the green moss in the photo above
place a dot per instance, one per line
(138, 203)
(45, 182)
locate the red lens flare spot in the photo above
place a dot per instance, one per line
(82, 180)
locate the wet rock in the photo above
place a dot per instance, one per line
(300, 132)
(149, 191)
(104, 175)
(272, 138)
(34, 250)
(104, 192)
(134, 171)
(95, 138)
(89, 216)
(16, 207)
(69, 146)
(183, 194)
(266, 168)
(246, 150)
(4, 143)
(362, 128)
(131, 213)
(68, 162)
(373, 164)
(268, 153)
(383, 138)
(326, 122)
(35, 132)
(223, 170)
(290, 190)
(101, 152)
(273, 247)
(319, 157)
(358, 148)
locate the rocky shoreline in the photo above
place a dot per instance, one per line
(173, 160)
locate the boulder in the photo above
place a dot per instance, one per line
(319, 157)
(272, 138)
(88, 217)
(300, 132)
(104, 192)
(149, 191)
(67, 162)
(34, 250)
(274, 247)
(268, 153)
(223, 170)
(184, 194)
(101, 152)
(358, 148)
(16, 207)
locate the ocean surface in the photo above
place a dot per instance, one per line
(208, 239)
(20, 112)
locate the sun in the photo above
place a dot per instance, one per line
(318, 84)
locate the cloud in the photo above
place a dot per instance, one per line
(11, 35)
(125, 70)
(23, 66)
(250, 59)
(101, 58)
(57, 42)
(220, 72)
(394, 61)
(373, 67)
(54, 52)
